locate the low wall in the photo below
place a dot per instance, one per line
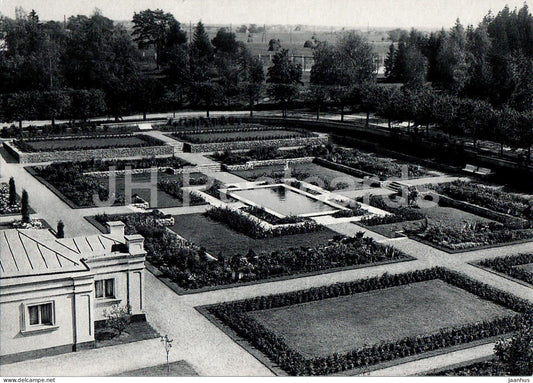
(514, 222)
(83, 155)
(106, 173)
(345, 169)
(242, 145)
(259, 163)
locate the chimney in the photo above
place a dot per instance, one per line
(115, 228)
(135, 244)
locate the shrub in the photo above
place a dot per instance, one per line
(270, 218)
(118, 318)
(472, 235)
(25, 207)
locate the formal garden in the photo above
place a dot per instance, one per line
(355, 325)
(78, 182)
(192, 262)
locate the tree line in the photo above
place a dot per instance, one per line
(474, 82)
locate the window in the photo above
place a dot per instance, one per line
(105, 288)
(42, 314)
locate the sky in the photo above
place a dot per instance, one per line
(348, 13)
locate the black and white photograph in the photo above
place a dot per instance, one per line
(199, 189)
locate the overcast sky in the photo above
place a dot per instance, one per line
(354, 13)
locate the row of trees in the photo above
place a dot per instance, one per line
(45, 67)
(90, 66)
(466, 117)
(493, 61)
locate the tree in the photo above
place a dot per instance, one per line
(355, 59)
(516, 354)
(167, 344)
(274, 45)
(412, 68)
(158, 29)
(25, 207)
(284, 78)
(54, 104)
(60, 233)
(252, 77)
(453, 59)
(389, 63)
(324, 74)
(201, 44)
(225, 42)
(316, 95)
(12, 192)
(87, 103)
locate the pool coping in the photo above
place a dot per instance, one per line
(229, 191)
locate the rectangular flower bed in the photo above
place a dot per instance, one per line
(339, 327)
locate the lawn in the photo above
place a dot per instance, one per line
(340, 325)
(450, 216)
(313, 173)
(134, 332)
(164, 199)
(243, 135)
(179, 368)
(218, 239)
(87, 143)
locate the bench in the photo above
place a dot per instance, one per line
(479, 171)
(470, 168)
(483, 171)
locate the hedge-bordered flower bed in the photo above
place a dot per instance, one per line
(490, 198)
(472, 236)
(270, 218)
(186, 265)
(507, 265)
(244, 224)
(233, 314)
(26, 145)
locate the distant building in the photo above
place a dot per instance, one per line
(52, 291)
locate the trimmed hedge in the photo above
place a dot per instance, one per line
(507, 265)
(253, 228)
(399, 214)
(233, 314)
(186, 264)
(486, 368)
(270, 218)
